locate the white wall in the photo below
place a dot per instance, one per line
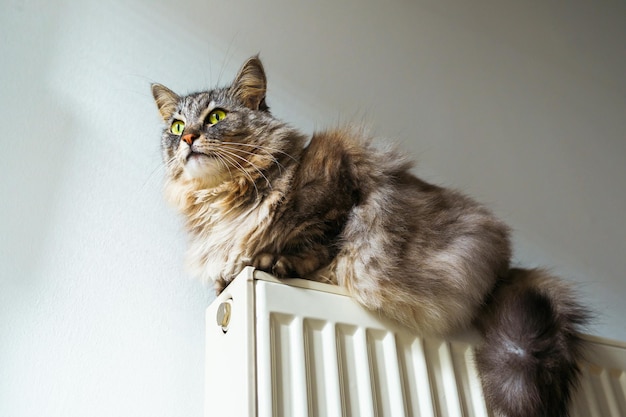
(521, 104)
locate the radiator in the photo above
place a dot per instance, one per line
(278, 348)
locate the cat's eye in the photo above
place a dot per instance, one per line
(177, 127)
(215, 116)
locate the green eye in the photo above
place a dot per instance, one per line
(216, 115)
(177, 127)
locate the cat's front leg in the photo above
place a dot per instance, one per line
(287, 265)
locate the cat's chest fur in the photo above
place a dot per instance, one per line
(225, 234)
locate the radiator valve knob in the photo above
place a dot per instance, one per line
(223, 315)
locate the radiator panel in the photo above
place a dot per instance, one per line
(297, 348)
(334, 358)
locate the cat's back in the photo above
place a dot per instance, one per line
(404, 233)
(350, 154)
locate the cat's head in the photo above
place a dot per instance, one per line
(223, 134)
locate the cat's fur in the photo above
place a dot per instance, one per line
(334, 208)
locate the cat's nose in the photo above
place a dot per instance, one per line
(189, 138)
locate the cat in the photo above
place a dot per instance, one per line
(337, 208)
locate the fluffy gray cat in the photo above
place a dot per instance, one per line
(333, 208)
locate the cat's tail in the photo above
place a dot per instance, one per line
(529, 360)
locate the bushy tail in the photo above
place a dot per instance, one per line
(529, 360)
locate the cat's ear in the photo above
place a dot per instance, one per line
(250, 84)
(166, 100)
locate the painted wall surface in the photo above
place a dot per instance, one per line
(521, 104)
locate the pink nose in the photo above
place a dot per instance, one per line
(189, 138)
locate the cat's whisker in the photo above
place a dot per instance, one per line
(242, 169)
(171, 164)
(269, 184)
(151, 176)
(256, 168)
(267, 156)
(265, 148)
(221, 160)
(268, 151)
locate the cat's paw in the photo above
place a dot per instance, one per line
(279, 266)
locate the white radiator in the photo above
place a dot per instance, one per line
(304, 349)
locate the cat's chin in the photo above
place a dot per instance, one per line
(210, 171)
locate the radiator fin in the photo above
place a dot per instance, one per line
(323, 389)
(320, 368)
(283, 362)
(602, 392)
